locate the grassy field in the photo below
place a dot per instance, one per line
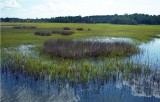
(14, 37)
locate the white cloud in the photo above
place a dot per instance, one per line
(49, 9)
(54, 8)
(6, 4)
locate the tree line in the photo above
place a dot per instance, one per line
(132, 19)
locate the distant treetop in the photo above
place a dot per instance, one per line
(113, 19)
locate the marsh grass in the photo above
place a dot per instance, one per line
(80, 29)
(70, 70)
(83, 49)
(43, 33)
(24, 27)
(63, 32)
(14, 37)
(66, 28)
(89, 29)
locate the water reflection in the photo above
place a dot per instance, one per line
(108, 39)
(148, 86)
(26, 88)
(150, 51)
(6, 27)
(150, 54)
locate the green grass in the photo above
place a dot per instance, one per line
(79, 71)
(13, 37)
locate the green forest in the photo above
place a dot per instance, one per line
(131, 19)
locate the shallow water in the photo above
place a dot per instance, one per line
(6, 27)
(150, 54)
(28, 89)
(108, 39)
(26, 49)
(150, 51)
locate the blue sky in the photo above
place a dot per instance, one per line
(54, 8)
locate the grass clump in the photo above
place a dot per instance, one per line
(80, 29)
(82, 49)
(66, 28)
(43, 33)
(63, 32)
(24, 27)
(66, 32)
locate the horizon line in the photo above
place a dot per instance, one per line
(85, 16)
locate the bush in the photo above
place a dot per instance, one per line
(63, 32)
(17, 27)
(55, 32)
(66, 32)
(80, 49)
(43, 33)
(31, 27)
(66, 28)
(80, 29)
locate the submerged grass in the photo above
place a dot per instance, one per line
(70, 70)
(13, 37)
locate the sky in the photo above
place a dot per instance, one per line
(54, 8)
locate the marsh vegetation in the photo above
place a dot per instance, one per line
(84, 49)
(63, 32)
(24, 27)
(82, 63)
(43, 33)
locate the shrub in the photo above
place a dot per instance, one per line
(31, 27)
(63, 32)
(66, 32)
(80, 29)
(43, 33)
(55, 32)
(79, 49)
(17, 27)
(66, 28)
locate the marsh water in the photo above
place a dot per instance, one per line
(144, 89)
